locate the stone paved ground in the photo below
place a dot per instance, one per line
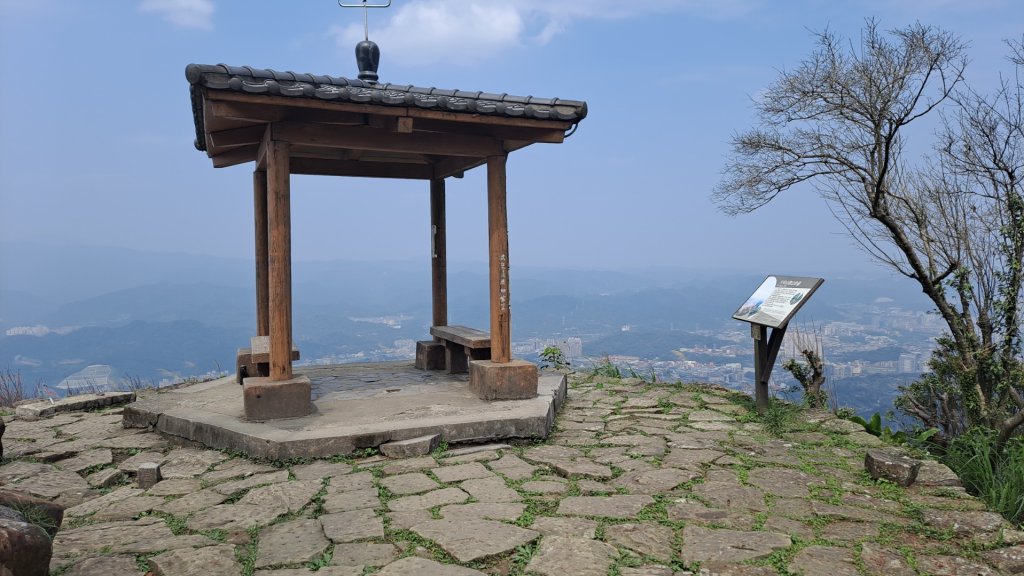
(639, 480)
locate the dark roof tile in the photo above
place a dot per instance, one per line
(262, 81)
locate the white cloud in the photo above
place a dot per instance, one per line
(196, 14)
(470, 31)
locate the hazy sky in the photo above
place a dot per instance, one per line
(96, 132)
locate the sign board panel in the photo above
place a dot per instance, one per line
(777, 299)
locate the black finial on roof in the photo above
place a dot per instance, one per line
(367, 58)
(367, 52)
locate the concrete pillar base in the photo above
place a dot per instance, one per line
(266, 399)
(430, 355)
(515, 380)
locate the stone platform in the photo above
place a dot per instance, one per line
(355, 406)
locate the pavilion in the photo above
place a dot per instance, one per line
(287, 123)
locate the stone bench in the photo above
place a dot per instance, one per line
(461, 344)
(255, 361)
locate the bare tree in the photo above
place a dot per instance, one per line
(809, 371)
(839, 121)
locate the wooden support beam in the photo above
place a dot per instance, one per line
(247, 136)
(325, 167)
(497, 224)
(235, 156)
(447, 167)
(259, 188)
(256, 112)
(438, 254)
(280, 260)
(367, 138)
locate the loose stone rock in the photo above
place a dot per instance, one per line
(292, 542)
(892, 467)
(559, 556)
(50, 515)
(130, 465)
(148, 474)
(607, 506)
(420, 446)
(353, 525)
(25, 549)
(209, 561)
(469, 540)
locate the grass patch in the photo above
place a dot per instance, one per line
(997, 477)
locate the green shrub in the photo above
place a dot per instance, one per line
(997, 477)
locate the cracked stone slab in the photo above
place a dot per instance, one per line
(192, 503)
(175, 487)
(654, 481)
(545, 487)
(571, 527)
(966, 522)
(86, 460)
(732, 496)
(619, 506)
(733, 546)
(352, 525)
(472, 539)
(559, 556)
(96, 537)
(460, 472)
(424, 567)
(251, 481)
(128, 508)
(186, 462)
(350, 482)
(824, 560)
(952, 566)
(352, 500)
(233, 517)
(512, 467)
(363, 554)
(491, 489)
(236, 468)
(104, 566)
(568, 462)
(300, 540)
(645, 539)
(508, 511)
(321, 469)
(291, 496)
(428, 500)
(409, 483)
(1008, 560)
(210, 561)
(878, 560)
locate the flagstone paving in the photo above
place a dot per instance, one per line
(637, 480)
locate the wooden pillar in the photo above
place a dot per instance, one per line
(497, 224)
(280, 260)
(259, 187)
(439, 254)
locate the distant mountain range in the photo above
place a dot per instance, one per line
(152, 315)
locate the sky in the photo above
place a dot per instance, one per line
(96, 130)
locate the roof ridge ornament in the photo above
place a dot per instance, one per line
(367, 52)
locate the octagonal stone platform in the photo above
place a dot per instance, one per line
(356, 406)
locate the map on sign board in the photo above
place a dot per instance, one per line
(776, 300)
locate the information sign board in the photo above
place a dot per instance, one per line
(776, 300)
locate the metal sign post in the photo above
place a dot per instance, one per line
(772, 305)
